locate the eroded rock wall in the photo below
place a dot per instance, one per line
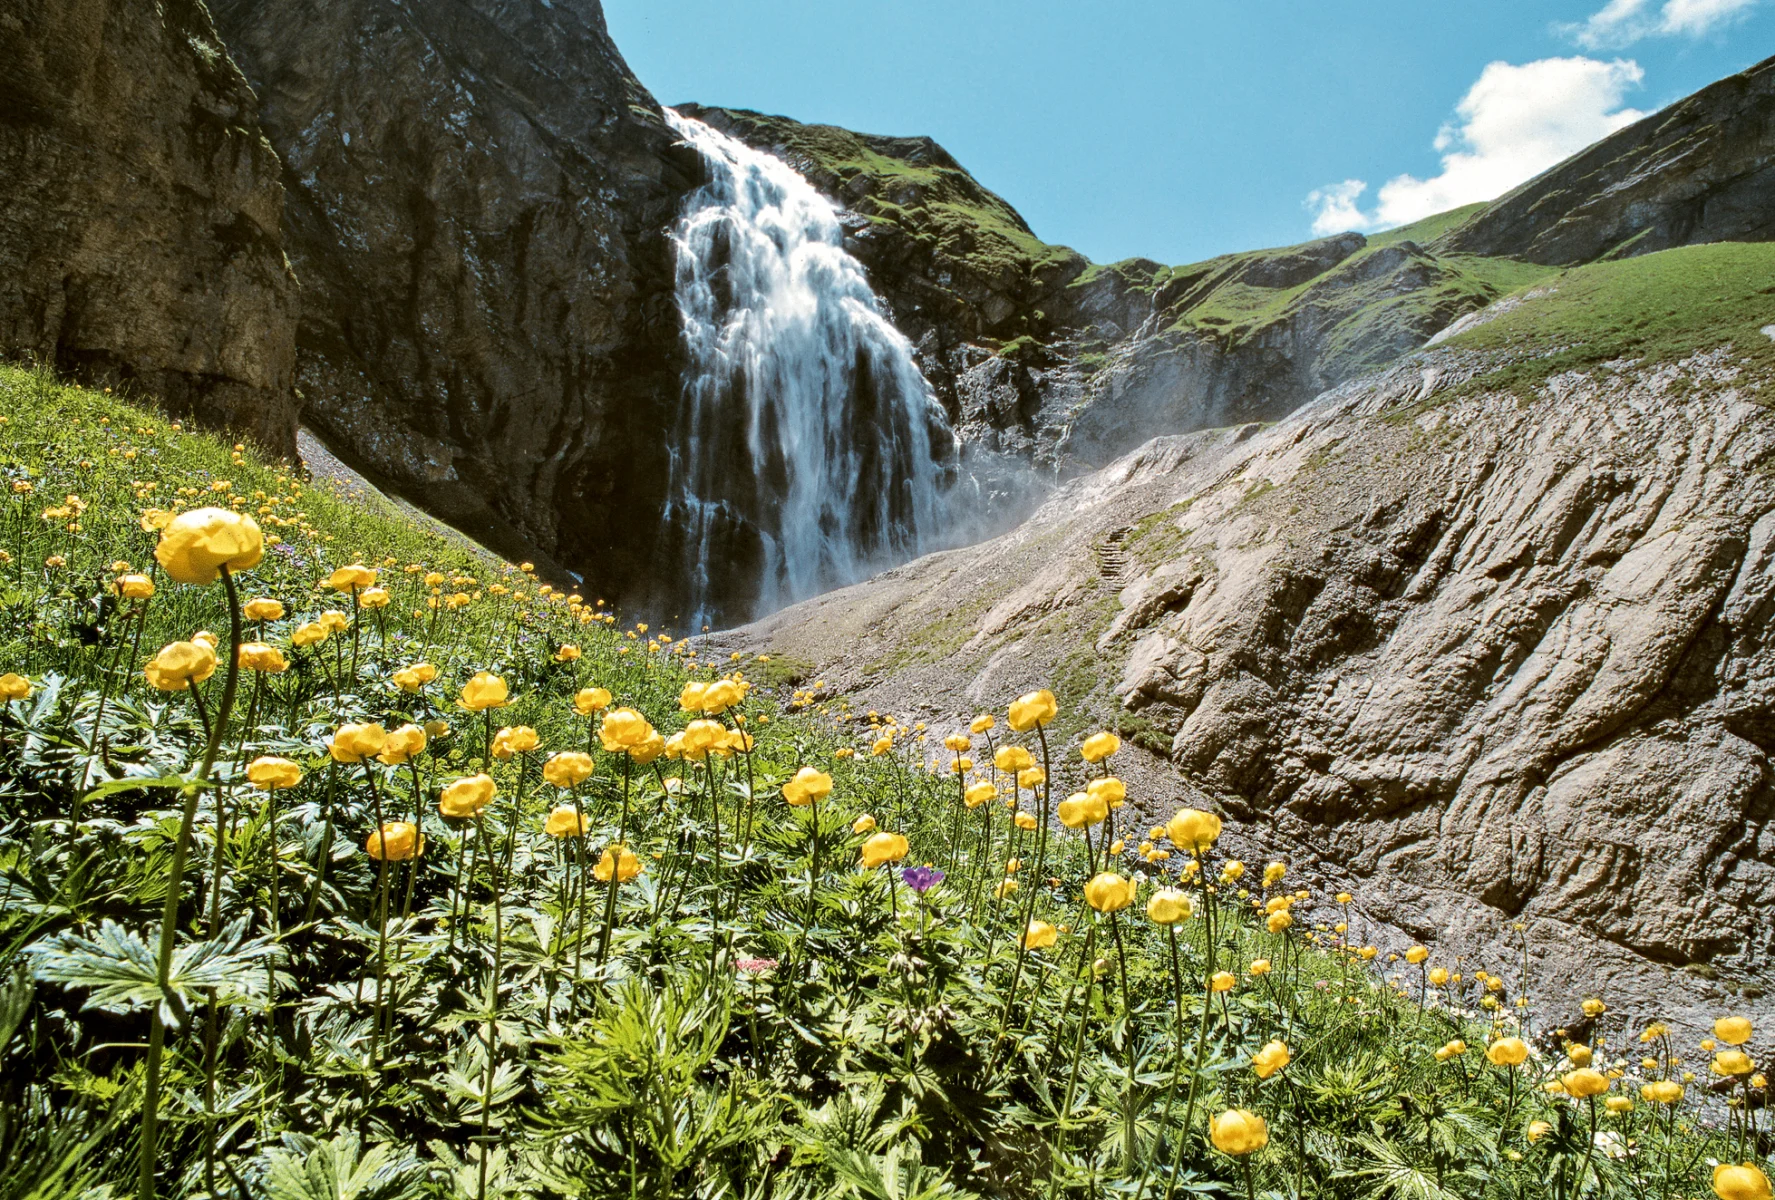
(479, 195)
(140, 213)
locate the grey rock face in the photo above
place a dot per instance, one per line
(140, 209)
(1702, 170)
(479, 193)
(1492, 664)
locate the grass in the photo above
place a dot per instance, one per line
(756, 1012)
(933, 201)
(1657, 308)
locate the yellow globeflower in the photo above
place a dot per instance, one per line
(808, 787)
(623, 730)
(411, 679)
(1450, 1050)
(468, 796)
(1744, 1182)
(334, 621)
(195, 546)
(1276, 922)
(1259, 966)
(1080, 811)
(1507, 1052)
(1594, 1007)
(14, 687)
(1108, 892)
(568, 769)
(1222, 981)
(1416, 955)
(1272, 1058)
(1193, 829)
(1024, 821)
(1099, 746)
(1618, 1105)
(1169, 906)
(270, 773)
(565, 821)
(263, 608)
(374, 597)
(354, 743)
(863, 824)
(978, 794)
(720, 696)
(514, 739)
(982, 723)
(691, 698)
(352, 578)
(1538, 1130)
(651, 747)
(135, 587)
(567, 653)
(587, 701)
(1662, 1091)
(1438, 976)
(618, 860)
(1012, 759)
(1732, 1063)
(403, 745)
(309, 633)
(1733, 1031)
(396, 841)
(486, 690)
(179, 665)
(1584, 1083)
(257, 656)
(1032, 709)
(1039, 936)
(1238, 1132)
(884, 848)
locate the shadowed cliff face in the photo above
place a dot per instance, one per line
(140, 236)
(478, 198)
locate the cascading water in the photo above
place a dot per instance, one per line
(808, 445)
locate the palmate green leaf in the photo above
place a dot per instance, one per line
(121, 970)
(306, 1168)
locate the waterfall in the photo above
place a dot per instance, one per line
(807, 443)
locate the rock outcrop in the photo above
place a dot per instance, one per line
(141, 241)
(1500, 651)
(479, 196)
(1702, 170)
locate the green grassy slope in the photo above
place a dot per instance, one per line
(1655, 308)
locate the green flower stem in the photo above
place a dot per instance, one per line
(381, 910)
(169, 920)
(622, 831)
(492, 1004)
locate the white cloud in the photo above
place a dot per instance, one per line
(1335, 208)
(1513, 123)
(1623, 22)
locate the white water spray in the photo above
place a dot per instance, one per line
(807, 442)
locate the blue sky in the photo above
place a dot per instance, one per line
(1180, 129)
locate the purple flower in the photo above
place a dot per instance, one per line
(921, 879)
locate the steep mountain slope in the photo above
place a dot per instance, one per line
(1702, 170)
(1036, 350)
(479, 193)
(140, 213)
(1490, 631)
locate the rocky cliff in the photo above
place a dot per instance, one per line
(1488, 634)
(141, 241)
(478, 198)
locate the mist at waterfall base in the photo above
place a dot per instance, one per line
(808, 451)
